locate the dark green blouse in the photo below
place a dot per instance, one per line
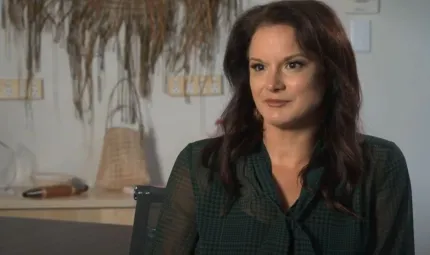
(191, 220)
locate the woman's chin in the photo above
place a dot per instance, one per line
(287, 123)
(280, 123)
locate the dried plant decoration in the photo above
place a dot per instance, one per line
(176, 30)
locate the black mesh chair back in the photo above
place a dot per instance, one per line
(148, 204)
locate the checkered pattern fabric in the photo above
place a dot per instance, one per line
(191, 221)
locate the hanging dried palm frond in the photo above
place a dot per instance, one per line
(199, 31)
(87, 26)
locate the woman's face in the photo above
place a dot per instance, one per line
(283, 80)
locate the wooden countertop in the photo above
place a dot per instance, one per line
(93, 198)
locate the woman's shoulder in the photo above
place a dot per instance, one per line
(198, 170)
(377, 149)
(199, 145)
(195, 148)
(385, 161)
(193, 152)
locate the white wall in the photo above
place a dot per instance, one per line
(64, 144)
(394, 79)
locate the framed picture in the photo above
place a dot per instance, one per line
(362, 6)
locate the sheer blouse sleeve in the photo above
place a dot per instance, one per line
(394, 214)
(176, 232)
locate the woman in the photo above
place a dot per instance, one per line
(291, 173)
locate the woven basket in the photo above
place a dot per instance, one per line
(122, 161)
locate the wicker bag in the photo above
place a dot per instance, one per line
(122, 161)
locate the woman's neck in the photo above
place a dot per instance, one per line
(290, 147)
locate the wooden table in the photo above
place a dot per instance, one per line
(94, 206)
(19, 236)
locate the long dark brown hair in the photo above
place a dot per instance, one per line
(319, 33)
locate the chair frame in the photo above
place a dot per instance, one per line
(144, 195)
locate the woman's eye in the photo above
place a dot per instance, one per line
(257, 67)
(294, 65)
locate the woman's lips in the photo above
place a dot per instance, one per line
(276, 102)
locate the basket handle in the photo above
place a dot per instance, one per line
(111, 112)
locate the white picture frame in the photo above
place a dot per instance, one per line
(362, 6)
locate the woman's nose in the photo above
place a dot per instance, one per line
(275, 82)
